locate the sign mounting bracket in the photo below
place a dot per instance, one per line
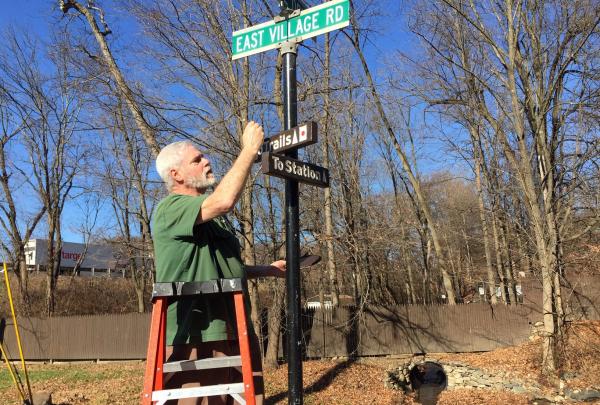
(286, 15)
(290, 46)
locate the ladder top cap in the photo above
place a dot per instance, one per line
(190, 288)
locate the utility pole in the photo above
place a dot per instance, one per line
(292, 241)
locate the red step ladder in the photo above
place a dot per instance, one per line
(155, 359)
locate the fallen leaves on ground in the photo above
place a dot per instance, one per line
(479, 396)
(579, 351)
(581, 354)
(336, 382)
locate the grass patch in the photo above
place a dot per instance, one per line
(64, 373)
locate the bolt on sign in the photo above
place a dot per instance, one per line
(288, 168)
(307, 24)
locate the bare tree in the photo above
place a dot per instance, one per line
(16, 220)
(49, 109)
(527, 88)
(94, 16)
(408, 169)
(127, 162)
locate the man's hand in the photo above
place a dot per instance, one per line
(252, 138)
(279, 268)
(275, 269)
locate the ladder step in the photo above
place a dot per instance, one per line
(196, 392)
(204, 364)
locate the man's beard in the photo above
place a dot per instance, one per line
(200, 182)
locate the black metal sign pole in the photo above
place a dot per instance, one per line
(292, 238)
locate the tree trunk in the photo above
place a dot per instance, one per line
(508, 267)
(146, 130)
(22, 272)
(276, 311)
(499, 264)
(275, 321)
(249, 258)
(328, 210)
(53, 266)
(139, 277)
(467, 250)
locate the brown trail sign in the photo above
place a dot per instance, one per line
(294, 138)
(297, 137)
(288, 168)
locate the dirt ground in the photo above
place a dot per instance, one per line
(343, 381)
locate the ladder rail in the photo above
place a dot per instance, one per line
(162, 349)
(244, 341)
(152, 355)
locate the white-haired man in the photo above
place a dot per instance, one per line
(192, 242)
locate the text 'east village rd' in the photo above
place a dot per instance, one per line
(288, 168)
(309, 23)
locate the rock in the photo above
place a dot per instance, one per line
(518, 390)
(568, 375)
(42, 398)
(542, 400)
(395, 380)
(582, 395)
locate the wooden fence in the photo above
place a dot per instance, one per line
(416, 329)
(374, 331)
(94, 337)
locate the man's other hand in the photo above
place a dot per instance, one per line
(279, 268)
(275, 269)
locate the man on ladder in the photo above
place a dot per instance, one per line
(193, 242)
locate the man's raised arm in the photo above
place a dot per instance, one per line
(228, 192)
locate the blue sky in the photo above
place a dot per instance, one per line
(34, 13)
(38, 15)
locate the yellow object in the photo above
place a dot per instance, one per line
(12, 309)
(12, 373)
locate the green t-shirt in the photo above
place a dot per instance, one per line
(187, 252)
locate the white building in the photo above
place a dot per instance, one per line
(98, 258)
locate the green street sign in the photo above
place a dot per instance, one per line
(309, 23)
